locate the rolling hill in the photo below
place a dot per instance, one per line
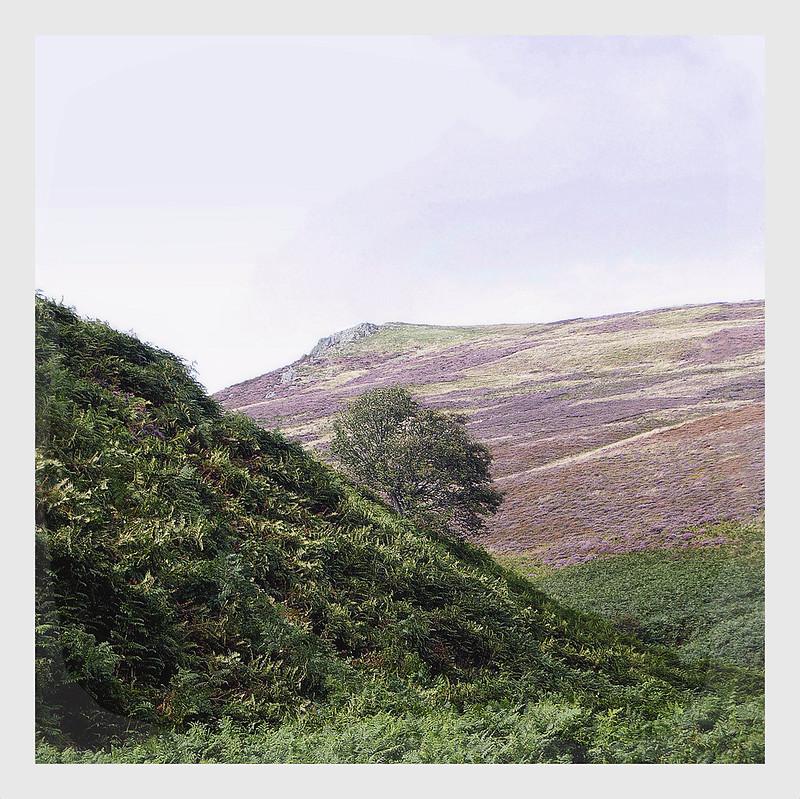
(609, 435)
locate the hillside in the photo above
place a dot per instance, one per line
(609, 435)
(208, 592)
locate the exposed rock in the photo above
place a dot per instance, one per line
(343, 337)
(288, 375)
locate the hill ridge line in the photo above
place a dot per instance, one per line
(320, 347)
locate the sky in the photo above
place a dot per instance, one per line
(234, 199)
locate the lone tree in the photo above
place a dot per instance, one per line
(422, 461)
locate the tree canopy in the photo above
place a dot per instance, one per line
(422, 461)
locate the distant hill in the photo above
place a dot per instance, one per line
(611, 434)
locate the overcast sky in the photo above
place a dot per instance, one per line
(235, 199)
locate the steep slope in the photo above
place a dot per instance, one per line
(193, 568)
(609, 435)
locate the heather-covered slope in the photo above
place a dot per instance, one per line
(609, 435)
(208, 592)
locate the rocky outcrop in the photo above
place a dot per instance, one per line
(288, 375)
(343, 337)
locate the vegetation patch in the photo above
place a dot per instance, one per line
(706, 601)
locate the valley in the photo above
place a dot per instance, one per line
(209, 592)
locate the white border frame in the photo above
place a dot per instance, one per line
(21, 777)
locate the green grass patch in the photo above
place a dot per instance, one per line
(707, 602)
(403, 337)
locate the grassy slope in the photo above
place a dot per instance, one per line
(207, 591)
(705, 602)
